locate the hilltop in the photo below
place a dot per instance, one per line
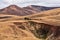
(32, 9)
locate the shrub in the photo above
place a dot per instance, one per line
(26, 18)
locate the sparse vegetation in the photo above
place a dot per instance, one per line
(26, 18)
(29, 29)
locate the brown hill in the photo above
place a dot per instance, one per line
(47, 22)
(15, 10)
(32, 9)
(13, 28)
(39, 8)
(31, 27)
(45, 25)
(46, 13)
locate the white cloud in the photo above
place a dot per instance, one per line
(29, 2)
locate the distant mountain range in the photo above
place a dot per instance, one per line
(32, 9)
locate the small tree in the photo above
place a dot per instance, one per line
(26, 18)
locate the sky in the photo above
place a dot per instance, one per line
(23, 3)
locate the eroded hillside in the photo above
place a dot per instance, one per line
(45, 25)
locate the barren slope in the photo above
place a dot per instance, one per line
(10, 29)
(43, 25)
(46, 13)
